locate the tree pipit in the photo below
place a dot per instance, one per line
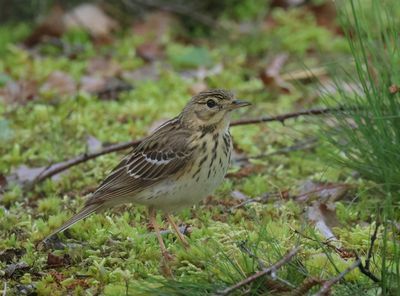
(179, 164)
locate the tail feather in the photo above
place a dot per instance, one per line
(82, 214)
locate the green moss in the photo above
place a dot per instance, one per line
(113, 252)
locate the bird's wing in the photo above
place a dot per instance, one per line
(158, 157)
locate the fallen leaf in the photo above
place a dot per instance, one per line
(19, 92)
(91, 18)
(324, 217)
(112, 88)
(156, 26)
(150, 51)
(58, 277)
(93, 144)
(270, 76)
(92, 84)
(103, 67)
(51, 26)
(59, 82)
(326, 16)
(25, 175)
(322, 211)
(239, 195)
(104, 88)
(147, 72)
(57, 261)
(78, 282)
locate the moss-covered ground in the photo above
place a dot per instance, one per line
(116, 253)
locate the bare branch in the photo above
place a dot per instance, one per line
(54, 169)
(281, 118)
(364, 268)
(64, 165)
(326, 287)
(371, 246)
(265, 271)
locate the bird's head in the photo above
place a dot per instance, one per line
(211, 108)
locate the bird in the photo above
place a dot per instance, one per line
(179, 164)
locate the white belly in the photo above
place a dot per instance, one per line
(171, 195)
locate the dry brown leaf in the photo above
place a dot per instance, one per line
(322, 211)
(156, 26)
(104, 88)
(324, 217)
(88, 17)
(51, 26)
(57, 261)
(326, 16)
(92, 19)
(240, 196)
(112, 88)
(148, 72)
(19, 92)
(270, 76)
(59, 82)
(103, 67)
(92, 84)
(150, 51)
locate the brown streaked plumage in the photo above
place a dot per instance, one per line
(182, 162)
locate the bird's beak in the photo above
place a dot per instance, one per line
(238, 104)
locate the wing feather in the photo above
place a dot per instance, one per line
(158, 157)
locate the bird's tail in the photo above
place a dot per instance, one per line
(82, 214)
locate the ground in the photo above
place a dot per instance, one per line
(281, 191)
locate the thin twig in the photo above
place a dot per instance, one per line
(64, 165)
(364, 268)
(373, 239)
(266, 271)
(281, 118)
(261, 264)
(326, 287)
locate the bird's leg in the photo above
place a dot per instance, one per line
(164, 252)
(178, 232)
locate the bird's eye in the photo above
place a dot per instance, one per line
(211, 103)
